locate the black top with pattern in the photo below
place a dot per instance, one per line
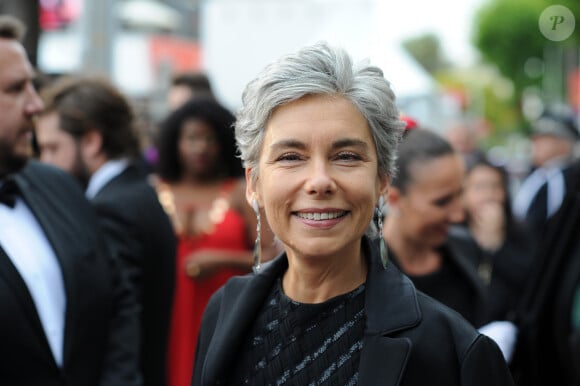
(293, 343)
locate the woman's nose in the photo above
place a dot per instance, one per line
(319, 180)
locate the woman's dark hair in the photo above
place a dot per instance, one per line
(485, 162)
(169, 166)
(418, 145)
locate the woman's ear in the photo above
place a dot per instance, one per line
(251, 185)
(384, 183)
(382, 186)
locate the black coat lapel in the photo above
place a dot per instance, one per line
(391, 306)
(55, 218)
(11, 275)
(383, 360)
(237, 313)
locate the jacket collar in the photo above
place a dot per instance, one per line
(390, 305)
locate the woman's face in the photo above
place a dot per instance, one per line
(483, 184)
(318, 177)
(198, 148)
(432, 200)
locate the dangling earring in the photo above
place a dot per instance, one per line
(382, 246)
(258, 243)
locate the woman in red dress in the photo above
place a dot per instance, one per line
(201, 186)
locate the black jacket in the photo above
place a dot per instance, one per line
(141, 236)
(548, 351)
(410, 339)
(101, 316)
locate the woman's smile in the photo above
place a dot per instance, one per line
(321, 219)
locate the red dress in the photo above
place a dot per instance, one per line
(191, 296)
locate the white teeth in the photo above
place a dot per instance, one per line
(320, 216)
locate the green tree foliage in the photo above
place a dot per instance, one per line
(507, 34)
(426, 50)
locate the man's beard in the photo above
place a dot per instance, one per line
(10, 162)
(80, 169)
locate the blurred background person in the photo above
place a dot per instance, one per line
(183, 87)
(463, 138)
(67, 314)
(540, 195)
(187, 85)
(87, 129)
(502, 244)
(201, 187)
(548, 351)
(424, 201)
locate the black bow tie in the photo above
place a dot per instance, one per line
(8, 192)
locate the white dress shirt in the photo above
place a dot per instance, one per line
(554, 178)
(25, 243)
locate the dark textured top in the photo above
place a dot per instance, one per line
(293, 343)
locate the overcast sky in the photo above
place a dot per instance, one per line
(451, 20)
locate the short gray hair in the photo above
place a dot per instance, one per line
(315, 70)
(11, 28)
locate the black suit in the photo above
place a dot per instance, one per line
(536, 217)
(141, 235)
(410, 339)
(548, 350)
(100, 318)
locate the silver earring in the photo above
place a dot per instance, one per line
(382, 246)
(258, 243)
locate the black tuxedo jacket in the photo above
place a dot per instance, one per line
(410, 339)
(536, 218)
(140, 234)
(100, 319)
(548, 350)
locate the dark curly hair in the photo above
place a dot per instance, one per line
(169, 166)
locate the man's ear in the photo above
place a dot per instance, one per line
(92, 143)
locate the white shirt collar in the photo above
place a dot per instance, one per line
(106, 173)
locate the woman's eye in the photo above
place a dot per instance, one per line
(348, 156)
(444, 201)
(288, 157)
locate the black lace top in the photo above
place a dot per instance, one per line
(292, 343)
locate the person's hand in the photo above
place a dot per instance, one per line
(488, 225)
(505, 334)
(206, 262)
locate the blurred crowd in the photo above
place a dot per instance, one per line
(174, 217)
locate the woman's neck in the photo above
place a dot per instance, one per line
(316, 281)
(414, 258)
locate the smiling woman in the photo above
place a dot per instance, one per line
(322, 148)
(318, 137)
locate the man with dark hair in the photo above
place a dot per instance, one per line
(185, 86)
(87, 129)
(67, 314)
